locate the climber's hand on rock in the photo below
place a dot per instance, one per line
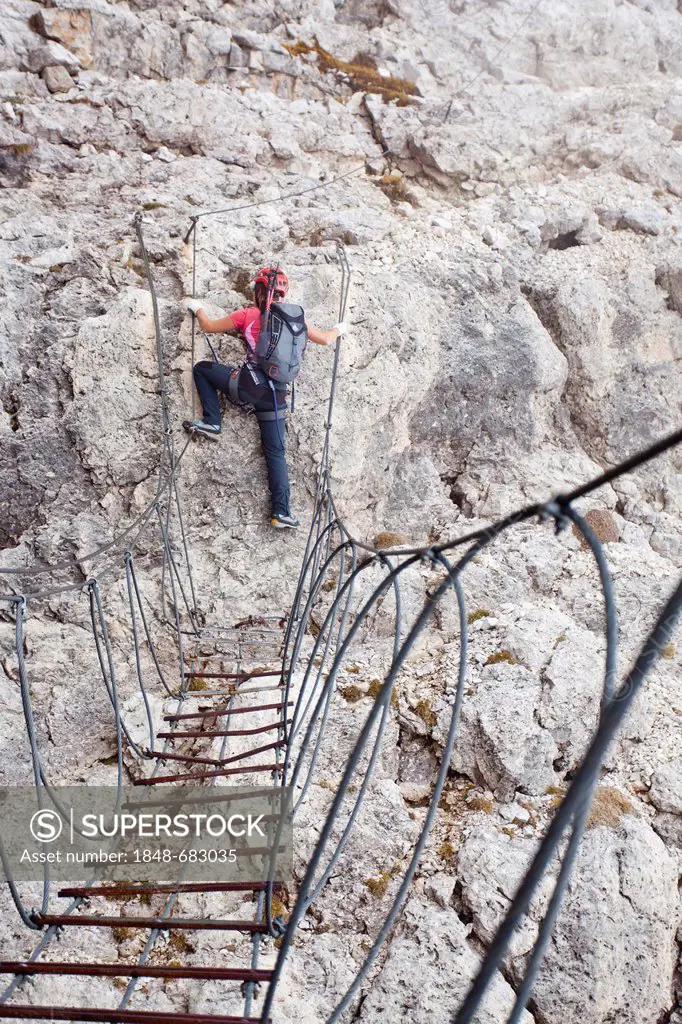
(194, 305)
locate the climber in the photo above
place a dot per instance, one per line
(250, 386)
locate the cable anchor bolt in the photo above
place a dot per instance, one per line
(278, 927)
(556, 510)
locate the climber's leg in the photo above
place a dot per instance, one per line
(272, 438)
(210, 378)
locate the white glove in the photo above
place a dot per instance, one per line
(194, 305)
(340, 329)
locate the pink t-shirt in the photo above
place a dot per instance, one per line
(248, 322)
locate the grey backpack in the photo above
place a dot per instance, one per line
(282, 341)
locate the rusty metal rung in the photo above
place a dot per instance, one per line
(231, 691)
(29, 967)
(278, 744)
(253, 622)
(215, 712)
(91, 1013)
(228, 732)
(169, 755)
(222, 656)
(116, 891)
(208, 795)
(266, 648)
(163, 923)
(196, 759)
(244, 770)
(242, 676)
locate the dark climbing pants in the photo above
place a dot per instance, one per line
(210, 378)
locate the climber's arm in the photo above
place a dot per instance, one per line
(217, 326)
(319, 337)
(223, 323)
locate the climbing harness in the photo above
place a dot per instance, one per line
(278, 412)
(233, 392)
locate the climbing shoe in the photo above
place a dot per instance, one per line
(211, 430)
(283, 521)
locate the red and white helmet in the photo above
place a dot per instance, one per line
(273, 278)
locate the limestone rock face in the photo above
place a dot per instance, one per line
(509, 751)
(114, 433)
(506, 181)
(666, 788)
(428, 972)
(624, 883)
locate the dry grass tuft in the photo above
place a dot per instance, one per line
(480, 613)
(454, 798)
(424, 711)
(389, 539)
(375, 687)
(379, 886)
(352, 694)
(179, 943)
(477, 802)
(608, 808)
(279, 908)
(395, 187)
(557, 794)
(136, 267)
(360, 74)
(447, 852)
(502, 656)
